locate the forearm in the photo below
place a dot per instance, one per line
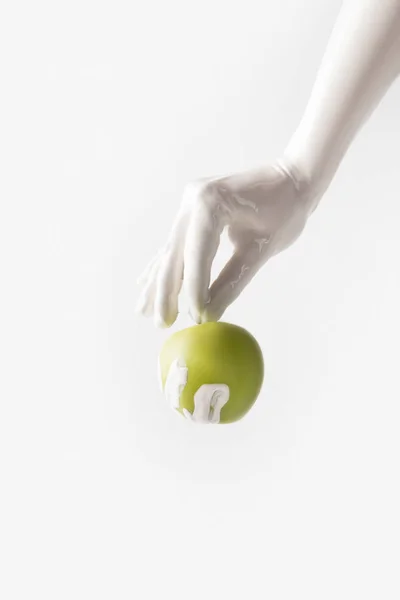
(360, 63)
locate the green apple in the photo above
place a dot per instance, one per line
(211, 373)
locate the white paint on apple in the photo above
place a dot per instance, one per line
(208, 402)
(176, 381)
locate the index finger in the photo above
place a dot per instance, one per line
(202, 241)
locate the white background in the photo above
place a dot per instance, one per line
(108, 109)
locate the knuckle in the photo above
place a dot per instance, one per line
(201, 193)
(192, 190)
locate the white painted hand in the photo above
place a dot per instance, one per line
(264, 209)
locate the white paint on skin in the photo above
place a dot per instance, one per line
(209, 399)
(242, 271)
(150, 268)
(176, 381)
(245, 202)
(281, 196)
(262, 242)
(289, 173)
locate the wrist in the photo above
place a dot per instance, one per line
(309, 185)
